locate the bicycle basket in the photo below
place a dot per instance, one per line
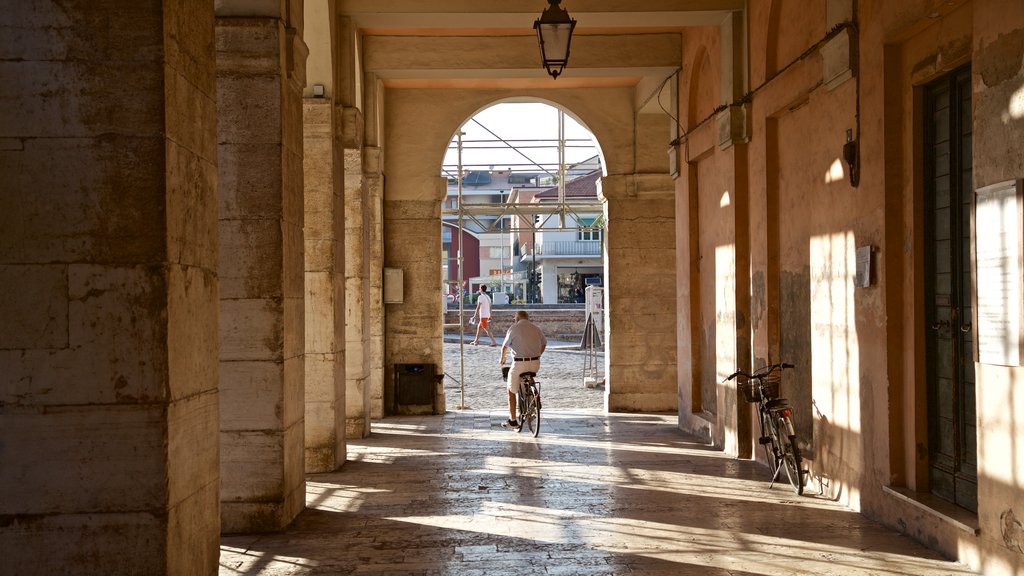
(752, 390)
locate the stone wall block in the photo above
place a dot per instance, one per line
(192, 424)
(116, 330)
(248, 109)
(251, 259)
(321, 371)
(191, 208)
(83, 99)
(41, 451)
(251, 396)
(194, 489)
(354, 168)
(116, 538)
(352, 125)
(294, 333)
(251, 467)
(191, 112)
(320, 225)
(294, 393)
(320, 430)
(202, 546)
(249, 47)
(251, 330)
(35, 316)
(190, 53)
(294, 264)
(292, 205)
(105, 203)
(193, 340)
(321, 331)
(247, 175)
(320, 255)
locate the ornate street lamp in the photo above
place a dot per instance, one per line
(554, 33)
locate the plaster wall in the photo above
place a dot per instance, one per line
(858, 389)
(998, 70)
(108, 261)
(925, 43)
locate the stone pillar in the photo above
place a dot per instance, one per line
(373, 172)
(325, 290)
(262, 312)
(412, 243)
(108, 257)
(640, 300)
(357, 280)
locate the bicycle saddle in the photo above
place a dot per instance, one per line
(530, 374)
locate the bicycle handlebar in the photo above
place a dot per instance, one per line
(760, 372)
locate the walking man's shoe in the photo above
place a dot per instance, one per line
(510, 424)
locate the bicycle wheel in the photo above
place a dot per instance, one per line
(770, 441)
(791, 459)
(532, 414)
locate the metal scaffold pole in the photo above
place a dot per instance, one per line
(462, 309)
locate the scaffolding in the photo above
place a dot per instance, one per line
(489, 217)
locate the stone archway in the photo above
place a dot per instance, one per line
(638, 196)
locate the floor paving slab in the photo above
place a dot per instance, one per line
(595, 493)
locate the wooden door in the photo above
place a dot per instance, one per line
(952, 431)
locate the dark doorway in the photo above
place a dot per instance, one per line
(952, 432)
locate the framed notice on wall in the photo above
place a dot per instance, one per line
(999, 273)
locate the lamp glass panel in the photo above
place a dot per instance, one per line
(556, 41)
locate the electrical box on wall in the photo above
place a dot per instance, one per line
(394, 292)
(862, 279)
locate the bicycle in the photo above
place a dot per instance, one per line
(527, 401)
(776, 419)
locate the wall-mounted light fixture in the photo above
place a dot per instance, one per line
(851, 157)
(554, 33)
(318, 90)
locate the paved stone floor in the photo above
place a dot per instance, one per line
(594, 494)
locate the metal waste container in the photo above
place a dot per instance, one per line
(414, 389)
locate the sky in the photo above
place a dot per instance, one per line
(525, 125)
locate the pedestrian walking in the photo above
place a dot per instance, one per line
(482, 316)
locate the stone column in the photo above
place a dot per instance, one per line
(373, 172)
(108, 257)
(325, 290)
(412, 243)
(262, 312)
(640, 300)
(357, 280)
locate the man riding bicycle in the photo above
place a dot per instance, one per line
(527, 342)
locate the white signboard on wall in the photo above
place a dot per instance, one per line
(998, 273)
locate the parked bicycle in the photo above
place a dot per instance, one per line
(776, 419)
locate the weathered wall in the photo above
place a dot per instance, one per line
(998, 71)
(858, 388)
(108, 257)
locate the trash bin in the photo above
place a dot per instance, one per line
(414, 389)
